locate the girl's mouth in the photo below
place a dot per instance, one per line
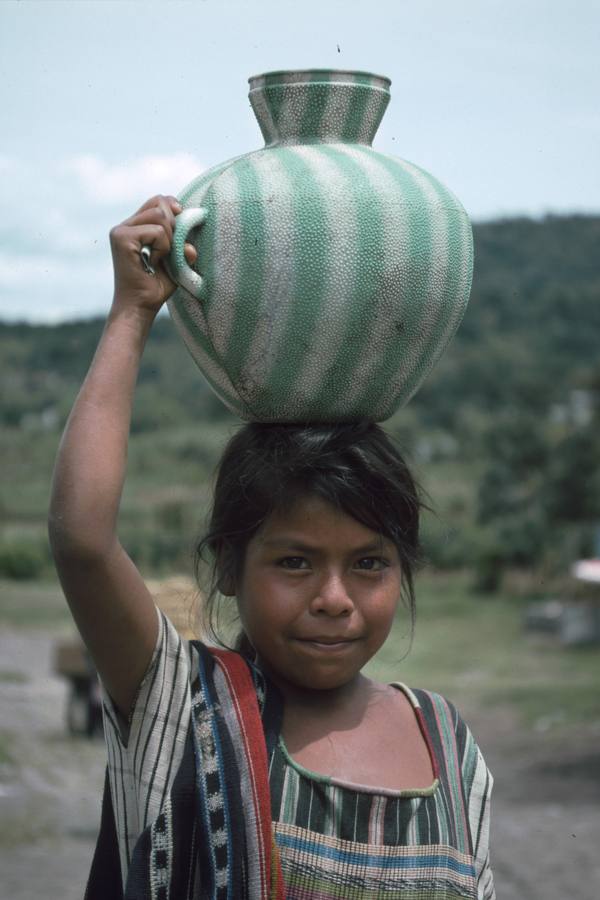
(327, 645)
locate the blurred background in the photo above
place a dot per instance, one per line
(103, 104)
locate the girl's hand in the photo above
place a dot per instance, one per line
(153, 225)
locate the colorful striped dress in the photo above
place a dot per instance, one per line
(335, 840)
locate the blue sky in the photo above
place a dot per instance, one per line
(104, 103)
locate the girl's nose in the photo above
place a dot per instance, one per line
(332, 597)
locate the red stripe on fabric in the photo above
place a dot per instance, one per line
(248, 715)
(241, 690)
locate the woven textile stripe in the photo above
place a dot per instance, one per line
(232, 780)
(219, 795)
(251, 755)
(184, 689)
(161, 855)
(345, 870)
(450, 751)
(158, 728)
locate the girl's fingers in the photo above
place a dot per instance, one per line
(156, 215)
(191, 254)
(152, 226)
(171, 202)
(159, 207)
(131, 239)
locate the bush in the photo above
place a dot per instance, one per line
(23, 560)
(489, 570)
(158, 551)
(446, 547)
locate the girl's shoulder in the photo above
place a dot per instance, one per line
(449, 737)
(435, 708)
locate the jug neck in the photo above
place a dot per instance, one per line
(316, 105)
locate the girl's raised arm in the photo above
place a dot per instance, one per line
(107, 595)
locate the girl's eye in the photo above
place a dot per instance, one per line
(372, 564)
(293, 562)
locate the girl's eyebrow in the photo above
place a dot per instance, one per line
(293, 543)
(290, 543)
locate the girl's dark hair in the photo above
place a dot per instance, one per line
(266, 468)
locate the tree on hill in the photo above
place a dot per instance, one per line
(539, 495)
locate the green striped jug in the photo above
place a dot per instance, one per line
(330, 277)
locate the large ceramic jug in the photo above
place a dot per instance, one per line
(330, 277)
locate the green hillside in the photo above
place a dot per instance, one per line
(505, 433)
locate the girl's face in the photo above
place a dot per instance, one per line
(318, 595)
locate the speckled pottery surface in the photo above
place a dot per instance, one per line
(330, 277)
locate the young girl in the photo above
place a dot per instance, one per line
(279, 770)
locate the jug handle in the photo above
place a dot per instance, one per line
(177, 265)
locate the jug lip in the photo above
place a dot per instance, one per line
(253, 79)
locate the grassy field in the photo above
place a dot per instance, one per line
(33, 604)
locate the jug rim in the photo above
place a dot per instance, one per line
(319, 71)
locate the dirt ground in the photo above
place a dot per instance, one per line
(546, 814)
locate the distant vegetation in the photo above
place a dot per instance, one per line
(504, 435)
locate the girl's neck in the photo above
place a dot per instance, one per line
(325, 702)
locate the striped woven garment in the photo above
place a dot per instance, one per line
(345, 841)
(238, 857)
(186, 811)
(213, 836)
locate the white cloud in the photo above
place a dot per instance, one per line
(133, 181)
(9, 165)
(17, 273)
(48, 288)
(55, 256)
